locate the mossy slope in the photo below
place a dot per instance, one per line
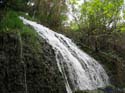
(27, 62)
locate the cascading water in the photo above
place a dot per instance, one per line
(80, 71)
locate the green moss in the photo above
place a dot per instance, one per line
(29, 32)
(31, 51)
(30, 37)
(10, 21)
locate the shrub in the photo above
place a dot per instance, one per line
(11, 21)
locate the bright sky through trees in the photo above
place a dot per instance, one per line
(71, 14)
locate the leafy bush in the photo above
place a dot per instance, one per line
(12, 23)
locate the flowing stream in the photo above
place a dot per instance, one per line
(79, 70)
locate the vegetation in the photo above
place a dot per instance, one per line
(11, 21)
(99, 20)
(27, 61)
(52, 14)
(98, 27)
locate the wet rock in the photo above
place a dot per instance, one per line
(28, 67)
(11, 68)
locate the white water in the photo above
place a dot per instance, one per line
(80, 71)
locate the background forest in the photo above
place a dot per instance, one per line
(97, 24)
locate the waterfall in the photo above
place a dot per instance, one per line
(80, 71)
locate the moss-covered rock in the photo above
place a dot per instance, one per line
(43, 75)
(28, 65)
(11, 66)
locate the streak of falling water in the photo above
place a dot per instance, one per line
(80, 71)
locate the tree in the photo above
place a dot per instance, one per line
(17, 4)
(51, 13)
(99, 19)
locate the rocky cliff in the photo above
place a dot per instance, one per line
(28, 66)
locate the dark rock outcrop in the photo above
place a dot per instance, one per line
(28, 67)
(114, 66)
(11, 67)
(43, 75)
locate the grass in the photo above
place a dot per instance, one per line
(29, 34)
(11, 24)
(10, 21)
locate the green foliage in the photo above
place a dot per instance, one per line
(91, 28)
(73, 1)
(98, 20)
(101, 13)
(121, 27)
(74, 26)
(11, 21)
(17, 4)
(96, 16)
(29, 34)
(51, 13)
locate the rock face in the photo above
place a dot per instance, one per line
(43, 75)
(11, 67)
(114, 67)
(27, 67)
